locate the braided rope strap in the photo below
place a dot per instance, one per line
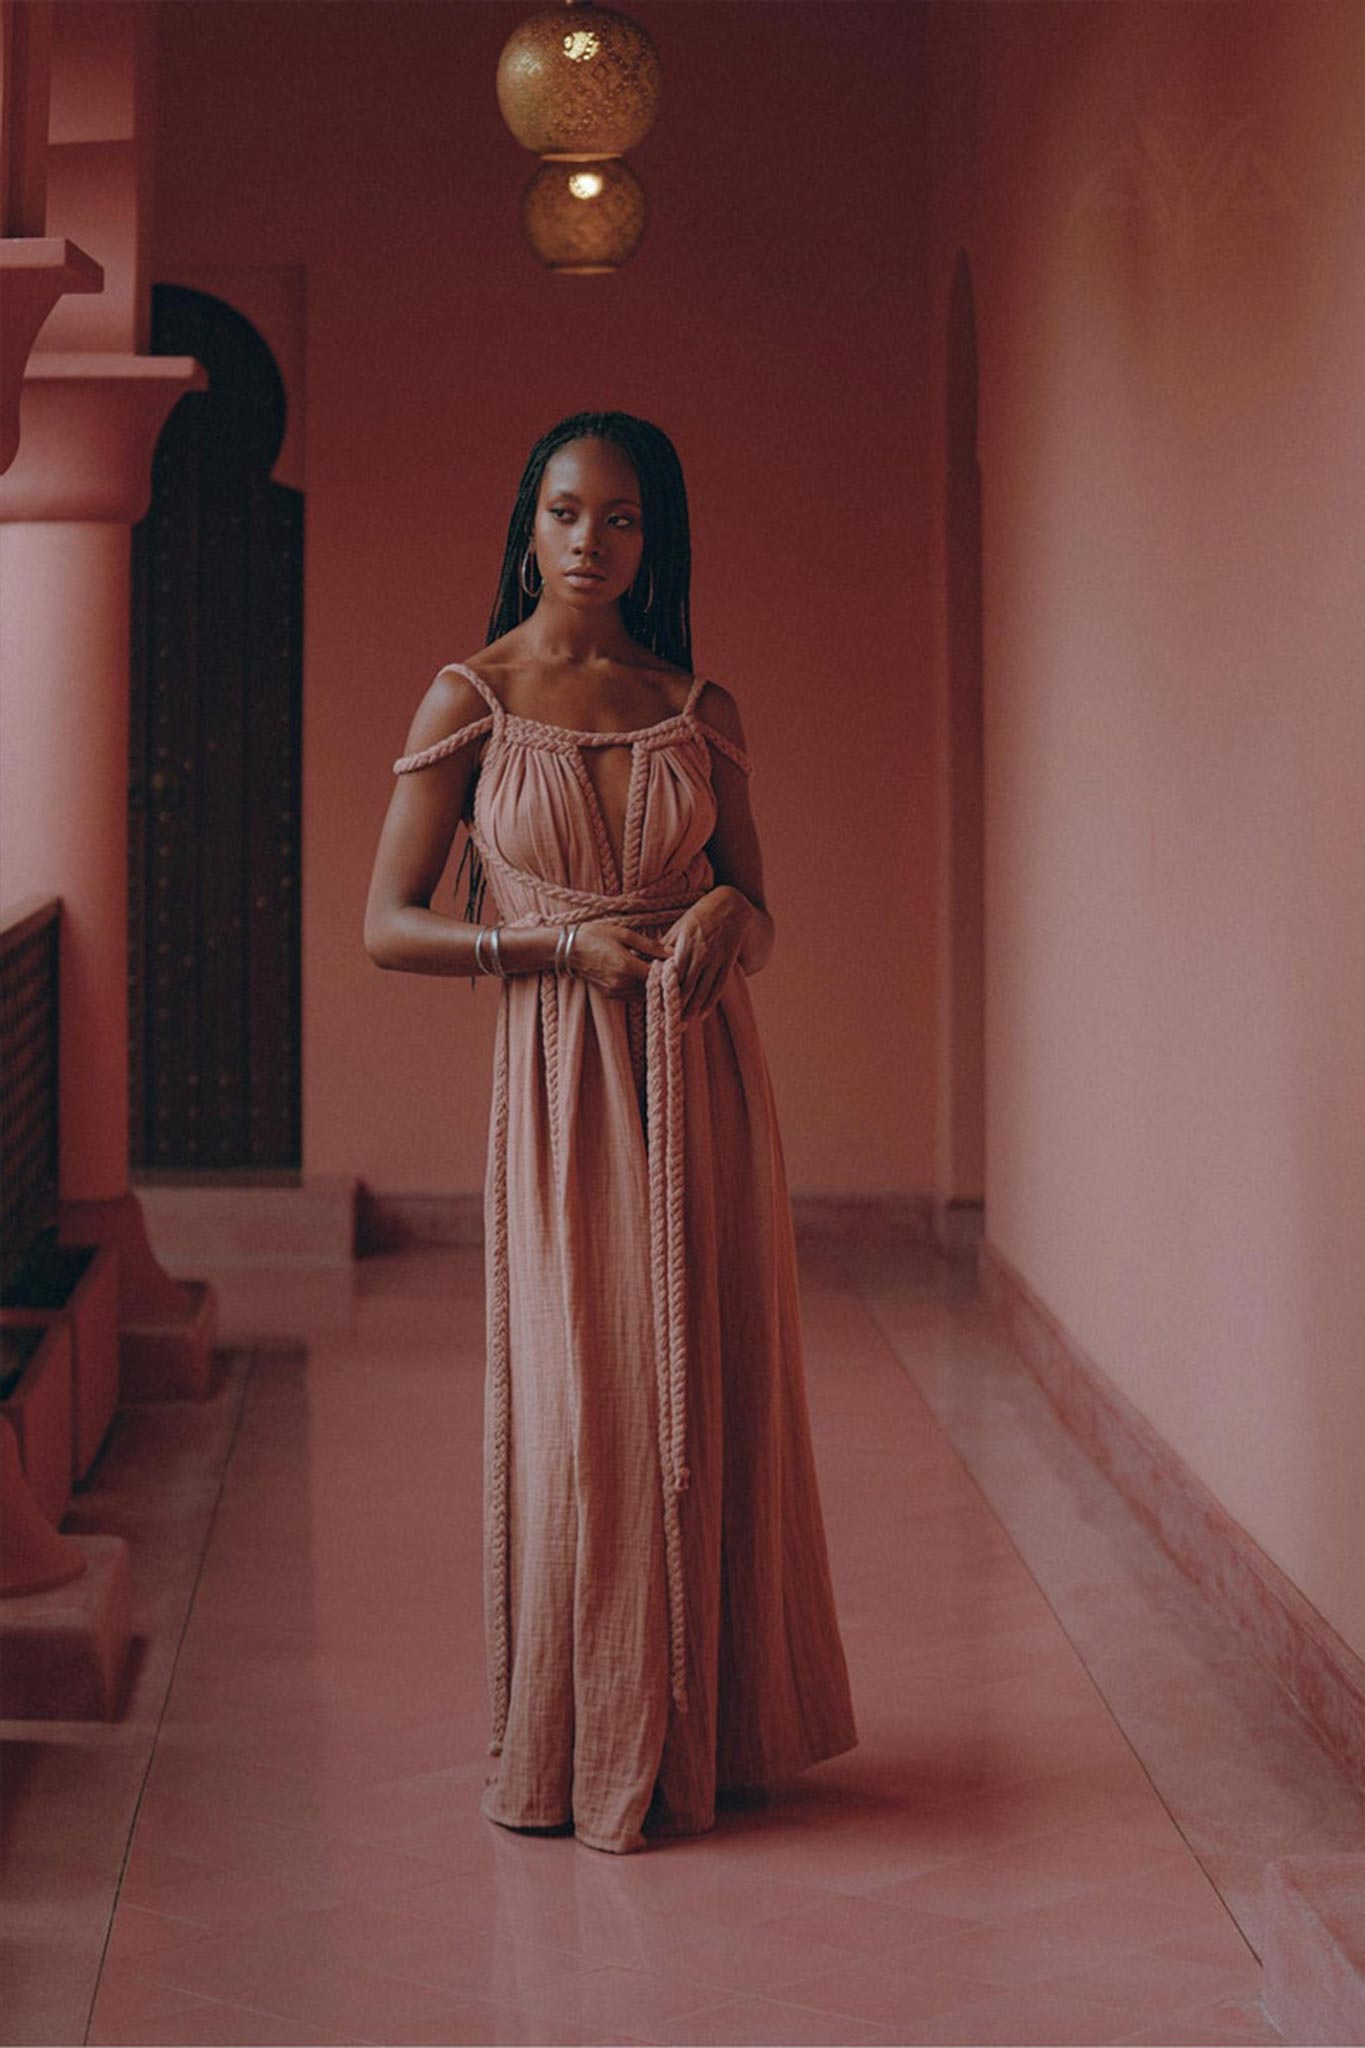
(668, 1274)
(497, 1526)
(440, 748)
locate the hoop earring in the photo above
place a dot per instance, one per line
(646, 602)
(526, 560)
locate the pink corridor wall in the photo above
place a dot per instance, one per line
(772, 322)
(1164, 211)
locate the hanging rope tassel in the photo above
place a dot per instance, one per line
(664, 1080)
(499, 1398)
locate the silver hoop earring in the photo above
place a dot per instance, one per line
(526, 560)
(645, 603)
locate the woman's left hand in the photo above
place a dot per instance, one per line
(705, 942)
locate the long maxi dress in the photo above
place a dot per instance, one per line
(659, 1616)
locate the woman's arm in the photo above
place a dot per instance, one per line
(733, 847)
(401, 930)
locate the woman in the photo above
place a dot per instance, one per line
(659, 1617)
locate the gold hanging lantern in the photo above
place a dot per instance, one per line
(583, 218)
(579, 81)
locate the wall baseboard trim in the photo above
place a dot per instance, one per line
(235, 1220)
(327, 1219)
(392, 1222)
(387, 1222)
(890, 1222)
(959, 1224)
(1317, 1668)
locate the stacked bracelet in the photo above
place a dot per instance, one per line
(563, 948)
(493, 934)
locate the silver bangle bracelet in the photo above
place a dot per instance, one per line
(495, 947)
(563, 948)
(479, 938)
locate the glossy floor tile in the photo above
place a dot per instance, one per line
(1067, 1779)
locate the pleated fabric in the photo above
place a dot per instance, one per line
(659, 1612)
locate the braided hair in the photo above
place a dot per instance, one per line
(665, 563)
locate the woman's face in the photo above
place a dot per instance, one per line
(588, 519)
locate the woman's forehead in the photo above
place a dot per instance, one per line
(578, 463)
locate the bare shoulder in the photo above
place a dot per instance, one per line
(716, 706)
(490, 660)
(451, 702)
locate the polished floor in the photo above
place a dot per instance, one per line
(1069, 1777)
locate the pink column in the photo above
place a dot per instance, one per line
(64, 727)
(82, 476)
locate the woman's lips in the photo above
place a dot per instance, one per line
(583, 576)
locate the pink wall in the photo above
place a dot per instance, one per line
(1163, 209)
(771, 322)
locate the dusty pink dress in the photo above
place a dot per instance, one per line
(659, 1614)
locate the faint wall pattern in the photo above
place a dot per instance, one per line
(1187, 186)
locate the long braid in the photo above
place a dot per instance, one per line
(665, 628)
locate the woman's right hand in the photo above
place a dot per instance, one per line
(615, 957)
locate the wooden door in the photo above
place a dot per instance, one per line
(214, 840)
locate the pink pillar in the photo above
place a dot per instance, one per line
(82, 476)
(64, 725)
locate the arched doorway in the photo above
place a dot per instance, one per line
(215, 770)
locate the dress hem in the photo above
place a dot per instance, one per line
(776, 1774)
(801, 1760)
(627, 1848)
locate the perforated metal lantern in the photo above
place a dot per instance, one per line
(584, 217)
(579, 81)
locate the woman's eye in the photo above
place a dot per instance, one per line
(567, 510)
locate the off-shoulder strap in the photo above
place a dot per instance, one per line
(716, 737)
(440, 748)
(727, 746)
(482, 685)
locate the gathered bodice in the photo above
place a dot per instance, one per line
(541, 826)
